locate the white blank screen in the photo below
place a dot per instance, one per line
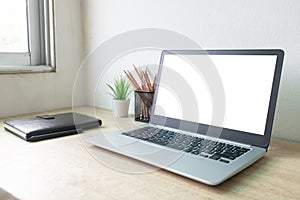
(246, 87)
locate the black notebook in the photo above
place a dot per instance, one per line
(50, 126)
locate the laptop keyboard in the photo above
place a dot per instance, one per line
(220, 151)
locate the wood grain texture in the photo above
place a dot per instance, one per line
(68, 168)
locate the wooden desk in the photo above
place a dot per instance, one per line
(64, 168)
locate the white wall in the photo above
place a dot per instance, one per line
(27, 93)
(212, 24)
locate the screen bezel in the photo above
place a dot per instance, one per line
(228, 134)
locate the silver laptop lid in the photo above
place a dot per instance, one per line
(230, 94)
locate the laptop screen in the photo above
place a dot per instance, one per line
(230, 91)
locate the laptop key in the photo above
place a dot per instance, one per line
(244, 150)
(215, 157)
(195, 151)
(224, 161)
(225, 155)
(205, 156)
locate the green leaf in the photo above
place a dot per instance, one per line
(120, 88)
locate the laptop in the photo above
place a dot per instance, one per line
(212, 114)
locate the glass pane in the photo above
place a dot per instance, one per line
(13, 26)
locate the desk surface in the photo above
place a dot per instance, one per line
(65, 168)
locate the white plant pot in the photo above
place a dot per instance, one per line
(120, 107)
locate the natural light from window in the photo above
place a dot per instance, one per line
(13, 26)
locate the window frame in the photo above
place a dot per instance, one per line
(41, 48)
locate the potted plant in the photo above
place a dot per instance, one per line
(120, 92)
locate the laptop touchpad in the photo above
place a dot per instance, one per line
(150, 153)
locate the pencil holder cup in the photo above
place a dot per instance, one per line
(143, 104)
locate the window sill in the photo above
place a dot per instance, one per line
(25, 69)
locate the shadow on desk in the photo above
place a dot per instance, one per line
(5, 195)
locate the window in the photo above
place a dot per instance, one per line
(26, 35)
